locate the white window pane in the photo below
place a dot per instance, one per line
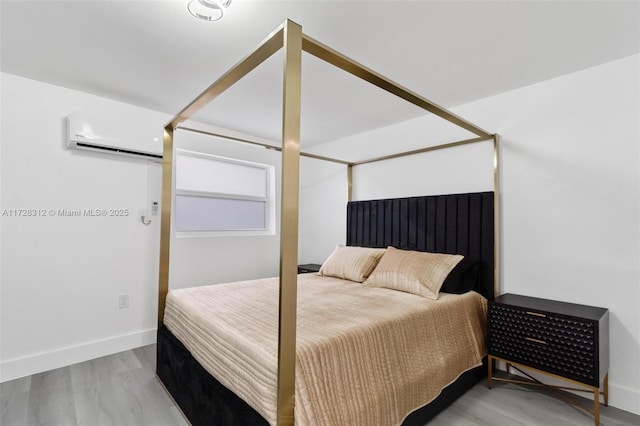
(222, 177)
(219, 214)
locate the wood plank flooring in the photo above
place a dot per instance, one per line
(121, 390)
(116, 390)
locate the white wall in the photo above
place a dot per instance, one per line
(570, 195)
(323, 198)
(61, 276)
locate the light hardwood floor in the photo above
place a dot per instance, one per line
(121, 389)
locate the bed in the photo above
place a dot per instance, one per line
(358, 329)
(461, 224)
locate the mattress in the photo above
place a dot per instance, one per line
(364, 355)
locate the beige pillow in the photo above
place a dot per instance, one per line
(416, 272)
(351, 263)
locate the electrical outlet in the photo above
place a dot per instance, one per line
(123, 301)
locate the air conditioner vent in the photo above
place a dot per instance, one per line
(88, 146)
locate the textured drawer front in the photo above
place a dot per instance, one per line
(563, 346)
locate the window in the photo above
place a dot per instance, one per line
(222, 195)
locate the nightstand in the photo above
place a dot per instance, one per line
(563, 340)
(309, 267)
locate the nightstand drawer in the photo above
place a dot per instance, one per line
(563, 346)
(564, 339)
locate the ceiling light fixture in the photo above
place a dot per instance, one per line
(207, 10)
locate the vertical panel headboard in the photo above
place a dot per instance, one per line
(455, 224)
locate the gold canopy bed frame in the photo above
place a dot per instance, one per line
(290, 36)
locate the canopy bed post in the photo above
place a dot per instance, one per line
(289, 221)
(165, 220)
(496, 214)
(349, 182)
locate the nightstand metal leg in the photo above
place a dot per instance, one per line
(596, 406)
(595, 412)
(490, 372)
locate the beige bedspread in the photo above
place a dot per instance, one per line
(365, 356)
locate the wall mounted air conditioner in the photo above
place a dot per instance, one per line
(132, 135)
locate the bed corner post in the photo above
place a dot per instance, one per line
(350, 182)
(289, 222)
(496, 214)
(165, 220)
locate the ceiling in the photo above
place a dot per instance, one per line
(154, 54)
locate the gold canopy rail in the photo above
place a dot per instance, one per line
(289, 35)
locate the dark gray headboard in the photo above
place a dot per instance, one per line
(456, 224)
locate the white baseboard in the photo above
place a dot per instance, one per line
(33, 364)
(624, 398)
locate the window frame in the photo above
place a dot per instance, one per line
(268, 198)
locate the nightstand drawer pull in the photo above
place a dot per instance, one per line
(536, 340)
(536, 314)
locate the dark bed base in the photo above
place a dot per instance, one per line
(205, 401)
